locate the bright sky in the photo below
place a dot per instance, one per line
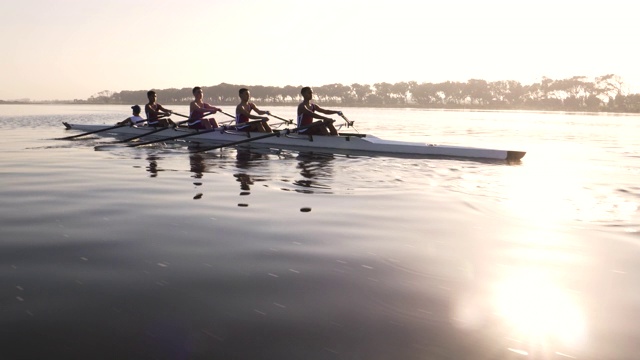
(66, 49)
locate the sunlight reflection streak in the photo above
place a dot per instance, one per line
(535, 308)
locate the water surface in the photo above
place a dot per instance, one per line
(157, 253)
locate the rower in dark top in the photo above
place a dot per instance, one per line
(198, 109)
(155, 111)
(307, 112)
(243, 114)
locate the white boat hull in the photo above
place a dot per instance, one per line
(342, 143)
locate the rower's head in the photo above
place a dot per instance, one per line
(306, 92)
(244, 94)
(151, 95)
(136, 109)
(197, 92)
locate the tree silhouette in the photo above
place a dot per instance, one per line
(578, 93)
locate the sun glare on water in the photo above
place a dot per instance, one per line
(537, 312)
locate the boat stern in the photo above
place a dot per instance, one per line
(515, 155)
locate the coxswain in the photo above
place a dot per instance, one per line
(134, 119)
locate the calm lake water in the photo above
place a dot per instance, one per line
(156, 253)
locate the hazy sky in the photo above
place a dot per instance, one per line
(66, 49)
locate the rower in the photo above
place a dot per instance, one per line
(155, 111)
(307, 112)
(243, 114)
(135, 119)
(198, 109)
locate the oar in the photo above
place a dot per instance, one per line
(92, 132)
(349, 123)
(226, 113)
(184, 116)
(188, 118)
(275, 133)
(248, 123)
(279, 118)
(142, 135)
(173, 137)
(228, 122)
(148, 132)
(205, 114)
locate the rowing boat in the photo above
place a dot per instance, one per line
(358, 143)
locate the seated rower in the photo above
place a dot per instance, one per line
(155, 112)
(135, 119)
(243, 114)
(198, 109)
(307, 112)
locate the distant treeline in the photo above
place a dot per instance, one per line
(579, 93)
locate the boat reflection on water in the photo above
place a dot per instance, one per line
(317, 172)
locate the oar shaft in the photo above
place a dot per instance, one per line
(283, 119)
(275, 133)
(142, 135)
(175, 113)
(229, 115)
(248, 123)
(349, 123)
(173, 137)
(206, 113)
(92, 132)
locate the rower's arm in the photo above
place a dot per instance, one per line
(125, 121)
(307, 111)
(164, 110)
(210, 108)
(328, 112)
(157, 113)
(240, 109)
(260, 112)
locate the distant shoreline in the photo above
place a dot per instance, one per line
(330, 104)
(603, 94)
